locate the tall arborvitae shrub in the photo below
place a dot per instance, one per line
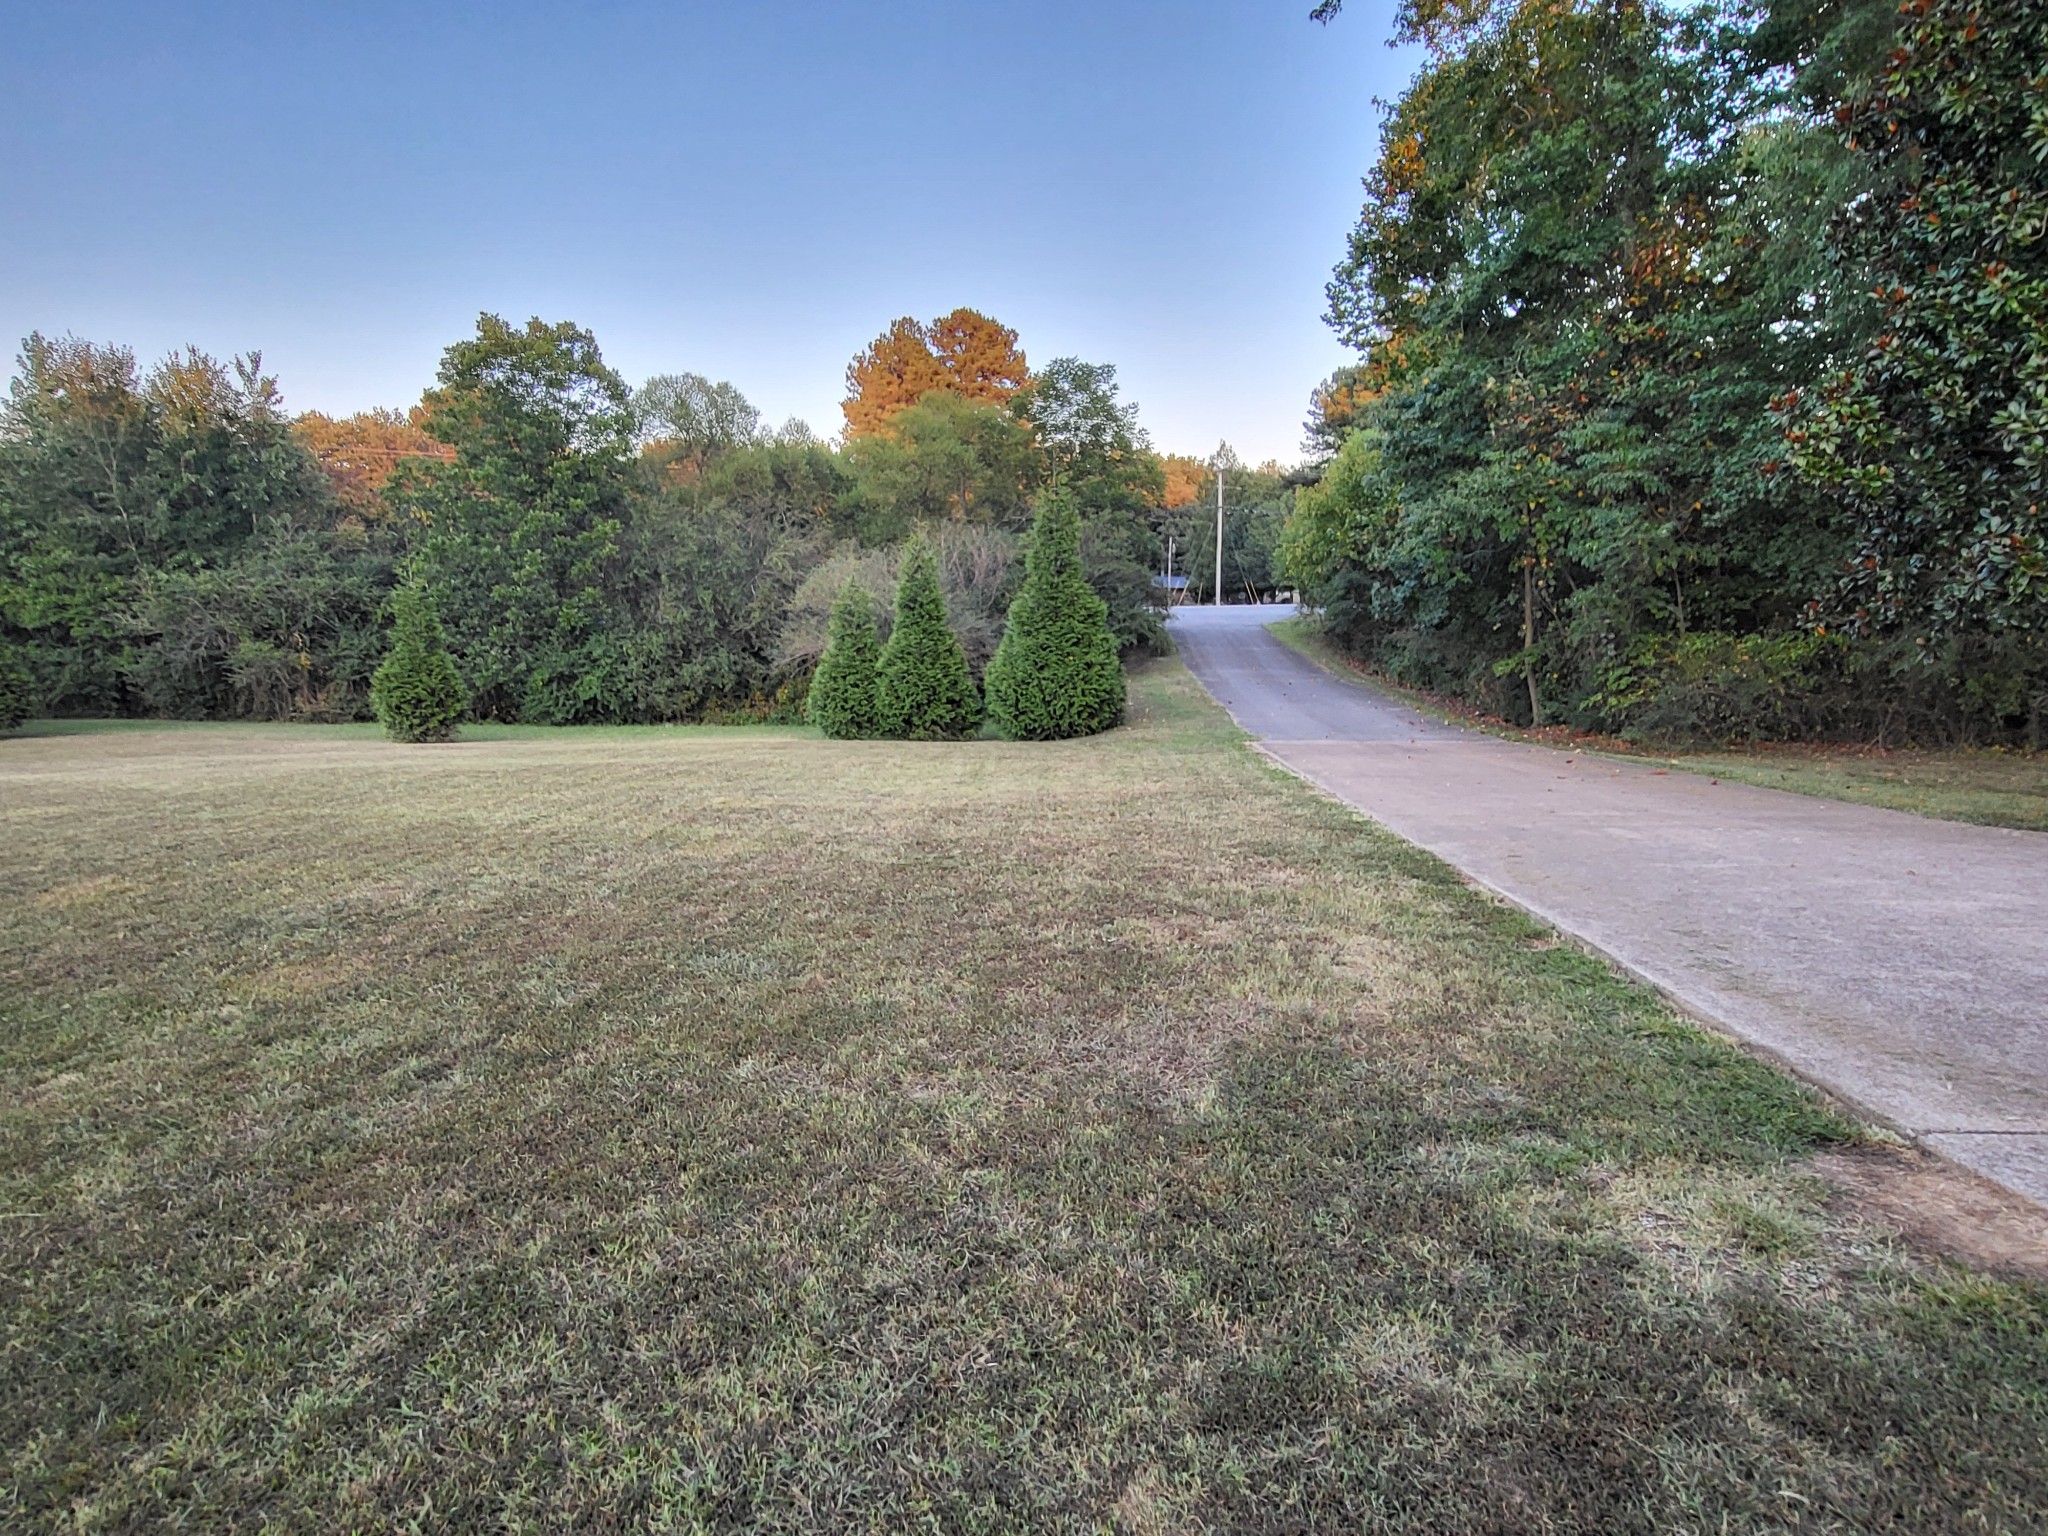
(846, 690)
(1056, 673)
(17, 692)
(417, 692)
(927, 691)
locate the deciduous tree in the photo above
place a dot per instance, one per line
(359, 453)
(107, 479)
(1935, 439)
(1184, 476)
(520, 527)
(1584, 266)
(964, 353)
(946, 458)
(687, 420)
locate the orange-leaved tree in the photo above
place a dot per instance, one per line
(1185, 477)
(965, 353)
(359, 452)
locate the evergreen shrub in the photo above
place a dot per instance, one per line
(417, 692)
(927, 691)
(1056, 672)
(846, 691)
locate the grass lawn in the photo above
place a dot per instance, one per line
(1992, 788)
(1995, 789)
(736, 1131)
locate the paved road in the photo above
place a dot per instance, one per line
(1899, 962)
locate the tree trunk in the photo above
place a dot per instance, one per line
(1529, 640)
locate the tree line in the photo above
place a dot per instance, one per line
(1703, 386)
(174, 543)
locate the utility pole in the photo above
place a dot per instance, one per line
(1218, 603)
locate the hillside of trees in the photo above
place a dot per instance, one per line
(1703, 379)
(174, 543)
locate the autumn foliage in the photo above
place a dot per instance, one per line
(174, 543)
(359, 452)
(1185, 477)
(965, 353)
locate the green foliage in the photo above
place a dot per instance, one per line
(17, 690)
(417, 691)
(927, 692)
(169, 545)
(1598, 246)
(1088, 436)
(1096, 451)
(1341, 521)
(845, 700)
(110, 482)
(1056, 674)
(1721, 688)
(1256, 504)
(793, 482)
(287, 630)
(978, 569)
(692, 420)
(946, 458)
(703, 585)
(522, 527)
(1935, 440)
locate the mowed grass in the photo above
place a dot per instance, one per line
(1993, 788)
(690, 1130)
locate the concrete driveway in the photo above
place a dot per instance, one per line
(1901, 963)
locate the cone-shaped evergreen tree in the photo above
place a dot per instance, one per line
(1056, 672)
(417, 692)
(846, 690)
(927, 691)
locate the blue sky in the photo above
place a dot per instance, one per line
(752, 190)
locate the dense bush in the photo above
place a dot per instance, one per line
(17, 692)
(1056, 673)
(927, 692)
(1823, 687)
(1717, 687)
(417, 691)
(116, 487)
(288, 629)
(845, 699)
